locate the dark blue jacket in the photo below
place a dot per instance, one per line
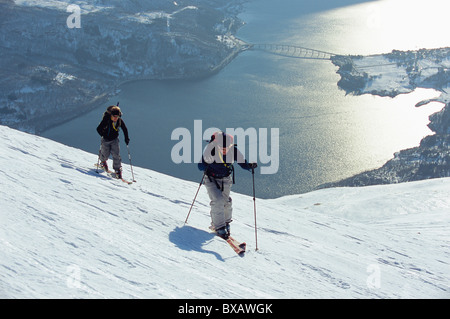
(221, 166)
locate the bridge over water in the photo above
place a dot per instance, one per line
(291, 51)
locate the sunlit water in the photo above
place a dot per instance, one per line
(324, 134)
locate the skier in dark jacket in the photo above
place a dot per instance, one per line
(217, 163)
(108, 129)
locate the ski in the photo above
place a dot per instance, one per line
(238, 247)
(112, 174)
(124, 180)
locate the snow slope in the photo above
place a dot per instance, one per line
(67, 232)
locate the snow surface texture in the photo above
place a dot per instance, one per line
(68, 232)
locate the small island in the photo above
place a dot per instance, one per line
(396, 73)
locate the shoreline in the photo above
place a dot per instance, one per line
(45, 82)
(95, 103)
(424, 68)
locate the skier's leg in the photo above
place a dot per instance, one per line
(105, 150)
(217, 203)
(115, 151)
(228, 209)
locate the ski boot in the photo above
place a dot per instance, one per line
(104, 165)
(222, 232)
(227, 227)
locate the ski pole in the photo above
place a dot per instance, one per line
(131, 166)
(254, 207)
(201, 182)
(98, 161)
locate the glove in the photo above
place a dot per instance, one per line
(127, 140)
(252, 165)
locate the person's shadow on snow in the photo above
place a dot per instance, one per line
(190, 238)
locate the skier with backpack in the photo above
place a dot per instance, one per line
(108, 129)
(217, 164)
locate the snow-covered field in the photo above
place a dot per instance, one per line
(67, 232)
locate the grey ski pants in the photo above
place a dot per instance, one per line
(111, 148)
(221, 206)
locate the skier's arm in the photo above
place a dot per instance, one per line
(125, 132)
(239, 158)
(101, 127)
(203, 166)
